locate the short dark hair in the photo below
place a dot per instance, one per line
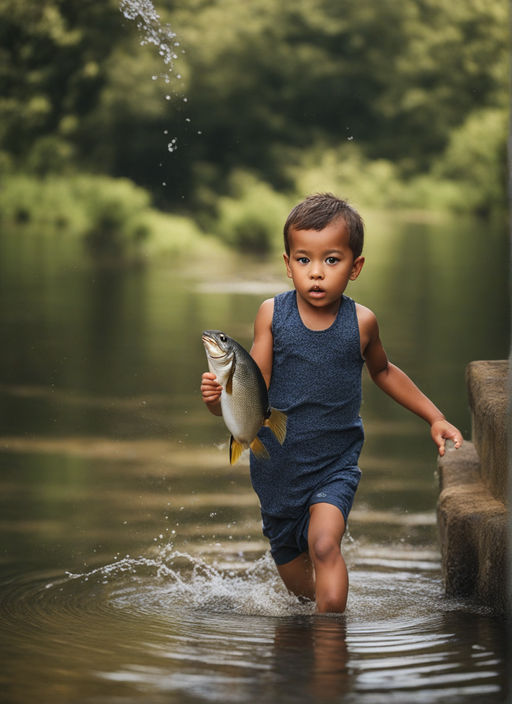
(318, 210)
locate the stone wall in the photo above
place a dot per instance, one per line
(472, 510)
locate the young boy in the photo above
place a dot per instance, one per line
(310, 344)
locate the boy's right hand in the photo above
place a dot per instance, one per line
(210, 390)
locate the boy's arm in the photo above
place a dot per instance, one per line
(262, 349)
(398, 385)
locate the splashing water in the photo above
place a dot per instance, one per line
(153, 31)
(173, 579)
(159, 35)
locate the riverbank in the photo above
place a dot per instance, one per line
(116, 219)
(113, 218)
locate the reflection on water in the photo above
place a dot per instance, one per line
(132, 565)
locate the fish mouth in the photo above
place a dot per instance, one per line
(212, 347)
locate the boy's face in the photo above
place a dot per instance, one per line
(321, 263)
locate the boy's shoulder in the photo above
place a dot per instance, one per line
(265, 313)
(365, 317)
(267, 307)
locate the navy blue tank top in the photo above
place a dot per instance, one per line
(316, 381)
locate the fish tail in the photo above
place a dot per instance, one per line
(235, 450)
(259, 449)
(277, 424)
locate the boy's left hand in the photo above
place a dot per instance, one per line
(441, 431)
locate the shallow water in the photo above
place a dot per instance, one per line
(132, 566)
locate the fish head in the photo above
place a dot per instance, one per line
(220, 352)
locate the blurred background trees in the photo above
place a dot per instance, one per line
(395, 103)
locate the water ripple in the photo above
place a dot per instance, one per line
(169, 624)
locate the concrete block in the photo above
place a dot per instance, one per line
(473, 531)
(488, 391)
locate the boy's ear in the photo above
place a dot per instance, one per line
(287, 263)
(356, 268)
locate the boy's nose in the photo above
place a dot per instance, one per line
(317, 273)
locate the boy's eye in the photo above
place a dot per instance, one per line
(332, 260)
(303, 260)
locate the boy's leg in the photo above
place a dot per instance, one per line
(298, 576)
(326, 528)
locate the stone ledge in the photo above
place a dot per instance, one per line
(473, 531)
(487, 383)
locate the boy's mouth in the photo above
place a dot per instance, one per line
(316, 290)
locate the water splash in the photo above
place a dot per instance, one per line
(171, 579)
(160, 35)
(153, 31)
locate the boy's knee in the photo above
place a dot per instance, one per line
(324, 549)
(333, 602)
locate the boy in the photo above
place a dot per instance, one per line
(310, 344)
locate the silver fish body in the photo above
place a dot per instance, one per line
(244, 398)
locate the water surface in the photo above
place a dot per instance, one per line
(133, 568)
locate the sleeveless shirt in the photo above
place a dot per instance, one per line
(316, 381)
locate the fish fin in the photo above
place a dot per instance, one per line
(259, 449)
(277, 424)
(235, 450)
(229, 382)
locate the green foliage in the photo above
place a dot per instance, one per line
(251, 217)
(414, 84)
(115, 209)
(112, 217)
(476, 159)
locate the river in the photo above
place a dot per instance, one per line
(132, 565)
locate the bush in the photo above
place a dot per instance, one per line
(476, 160)
(251, 218)
(116, 211)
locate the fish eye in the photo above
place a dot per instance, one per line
(222, 337)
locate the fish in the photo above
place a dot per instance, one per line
(244, 398)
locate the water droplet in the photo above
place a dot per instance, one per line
(167, 97)
(164, 183)
(350, 138)
(199, 132)
(187, 119)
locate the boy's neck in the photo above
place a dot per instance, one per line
(318, 318)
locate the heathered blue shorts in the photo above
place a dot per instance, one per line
(289, 536)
